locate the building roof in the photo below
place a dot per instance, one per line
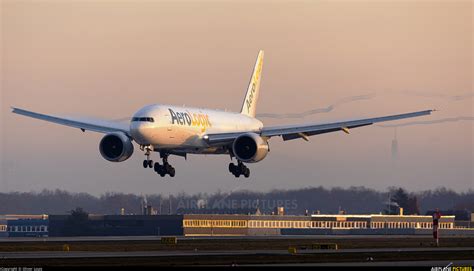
(15, 216)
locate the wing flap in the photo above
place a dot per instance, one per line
(298, 135)
(100, 126)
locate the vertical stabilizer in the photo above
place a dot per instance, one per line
(249, 106)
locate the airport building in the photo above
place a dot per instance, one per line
(199, 225)
(24, 225)
(116, 225)
(226, 225)
(218, 224)
(3, 227)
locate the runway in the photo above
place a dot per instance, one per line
(158, 238)
(440, 263)
(121, 254)
(230, 250)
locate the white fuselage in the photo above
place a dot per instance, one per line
(182, 128)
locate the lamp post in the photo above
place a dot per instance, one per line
(436, 217)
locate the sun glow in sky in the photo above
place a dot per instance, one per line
(107, 59)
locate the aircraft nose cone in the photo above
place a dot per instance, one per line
(140, 133)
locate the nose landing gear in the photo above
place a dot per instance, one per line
(147, 163)
(239, 169)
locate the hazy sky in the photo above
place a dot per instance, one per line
(109, 58)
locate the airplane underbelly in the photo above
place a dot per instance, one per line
(179, 137)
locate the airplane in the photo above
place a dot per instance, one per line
(174, 130)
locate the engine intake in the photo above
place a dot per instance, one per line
(250, 148)
(116, 147)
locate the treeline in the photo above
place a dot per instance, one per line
(357, 200)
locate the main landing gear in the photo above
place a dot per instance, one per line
(239, 169)
(164, 169)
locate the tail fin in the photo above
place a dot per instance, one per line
(249, 106)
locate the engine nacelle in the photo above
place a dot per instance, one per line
(116, 147)
(250, 148)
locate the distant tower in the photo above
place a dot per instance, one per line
(146, 208)
(395, 146)
(144, 204)
(169, 210)
(160, 211)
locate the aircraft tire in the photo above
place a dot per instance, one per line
(171, 172)
(156, 167)
(246, 172)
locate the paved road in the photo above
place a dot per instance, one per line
(120, 254)
(157, 238)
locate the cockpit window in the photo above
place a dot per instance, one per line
(148, 119)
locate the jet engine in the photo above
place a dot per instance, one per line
(116, 147)
(250, 148)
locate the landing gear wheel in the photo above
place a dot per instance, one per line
(172, 172)
(246, 172)
(145, 163)
(150, 163)
(239, 169)
(157, 167)
(164, 169)
(168, 169)
(160, 169)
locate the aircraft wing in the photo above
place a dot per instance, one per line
(95, 125)
(305, 130)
